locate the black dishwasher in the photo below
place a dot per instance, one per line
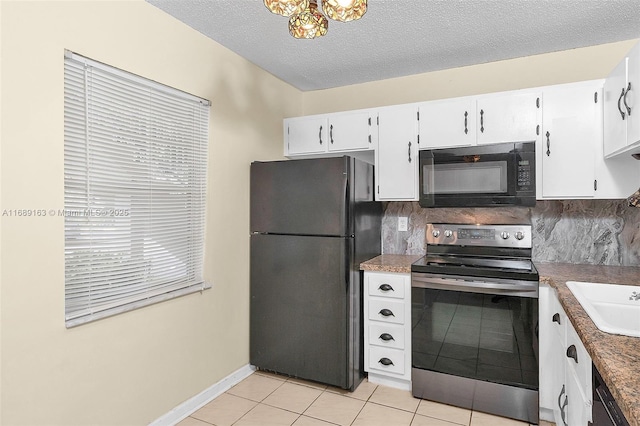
(605, 409)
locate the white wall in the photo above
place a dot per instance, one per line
(134, 367)
(532, 71)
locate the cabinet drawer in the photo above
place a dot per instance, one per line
(386, 285)
(378, 357)
(386, 310)
(581, 368)
(386, 335)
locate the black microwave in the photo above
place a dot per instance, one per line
(479, 176)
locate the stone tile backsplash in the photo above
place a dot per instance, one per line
(601, 232)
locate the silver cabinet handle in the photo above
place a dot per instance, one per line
(466, 130)
(548, 144)
(624, 99)
(619, 99)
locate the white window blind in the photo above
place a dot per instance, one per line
(135, 156)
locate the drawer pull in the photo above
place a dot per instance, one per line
(572, 352)
(386, 361)
(385, 287)
(556, 318)
(386, 337)
(386, 313)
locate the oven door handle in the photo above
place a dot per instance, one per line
(439, 283)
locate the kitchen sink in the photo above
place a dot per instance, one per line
(610, 306)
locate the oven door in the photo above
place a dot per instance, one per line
(478, 176)
(474, 344)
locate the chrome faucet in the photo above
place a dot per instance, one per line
(634, 296)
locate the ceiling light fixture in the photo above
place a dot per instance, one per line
(309, 23)
(306, 21)
(286, 7)
(344, 10)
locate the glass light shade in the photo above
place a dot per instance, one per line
(344, 10)
(308, 24)
(286, 7)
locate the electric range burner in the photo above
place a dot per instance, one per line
(485, 251)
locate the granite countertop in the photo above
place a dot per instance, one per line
(617, 358)
(390, 263)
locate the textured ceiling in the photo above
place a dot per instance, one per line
(402, 37)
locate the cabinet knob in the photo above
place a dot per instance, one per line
(386, 313)
(385, 287)
(556, 318)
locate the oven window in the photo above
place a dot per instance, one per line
(478, 336)
(464, 178)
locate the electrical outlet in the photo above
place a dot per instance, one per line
(403, 224)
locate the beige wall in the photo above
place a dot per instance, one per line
(132, 368)
(533, 71)
(135, 367)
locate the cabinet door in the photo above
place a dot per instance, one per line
(571, 136)
(615, 116)
(351, 131)
(448, 123)
(631, 100)
(306, 135)
(396, 156)
(577, 410)
(507, 118)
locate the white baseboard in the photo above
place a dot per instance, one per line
(183, 410)
(389, 381)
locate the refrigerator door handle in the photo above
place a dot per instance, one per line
(347, 267)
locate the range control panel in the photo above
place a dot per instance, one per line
(518, 236)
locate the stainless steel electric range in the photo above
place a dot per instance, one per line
(475, 319)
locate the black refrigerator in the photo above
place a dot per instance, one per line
(312, 223)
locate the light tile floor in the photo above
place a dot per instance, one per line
(265, 399)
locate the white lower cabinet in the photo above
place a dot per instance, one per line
(565, 366)
(387, 328)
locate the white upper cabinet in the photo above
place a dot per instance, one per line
(305, 135)
(448, 123)
(331, 133)
(508, 117)
(570, 156)
(396, 158)
(480, 120)
(621, 106)
(353, 131)
(571, 137)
